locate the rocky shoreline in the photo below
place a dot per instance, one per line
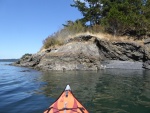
(87, 52)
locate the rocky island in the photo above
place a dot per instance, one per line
(89, 52)
(127, 48)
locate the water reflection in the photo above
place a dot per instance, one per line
(119, 91)
(80, 82)
(106, 91)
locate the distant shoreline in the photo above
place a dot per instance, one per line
(8, 60)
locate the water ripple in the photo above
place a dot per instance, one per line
(106, 91)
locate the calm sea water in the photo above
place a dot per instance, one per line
(107, 91)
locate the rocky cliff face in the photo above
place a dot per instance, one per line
(146, 60)
(87, 53)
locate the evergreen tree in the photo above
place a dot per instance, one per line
(116, 17)
(146, 13)
(124, 16)
(120, 17)
(90, 9)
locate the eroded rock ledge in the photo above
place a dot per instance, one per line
(88, 52)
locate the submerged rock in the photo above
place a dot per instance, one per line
(146, 64)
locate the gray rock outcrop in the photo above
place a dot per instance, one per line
(146, 60)
(87, 53)
(72, 56)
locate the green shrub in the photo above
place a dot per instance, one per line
(75, 27)
(59, 37)
(70, 28)
(51, 41)
(25, 56)
(96, 29)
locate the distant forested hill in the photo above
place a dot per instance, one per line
(8, 60)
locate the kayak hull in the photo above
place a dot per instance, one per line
(66, 103)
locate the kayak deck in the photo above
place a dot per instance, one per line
(66, 103)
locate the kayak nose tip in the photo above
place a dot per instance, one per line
(67, 88)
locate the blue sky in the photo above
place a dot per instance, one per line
(24, 24)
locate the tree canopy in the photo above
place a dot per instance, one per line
(119, 17)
